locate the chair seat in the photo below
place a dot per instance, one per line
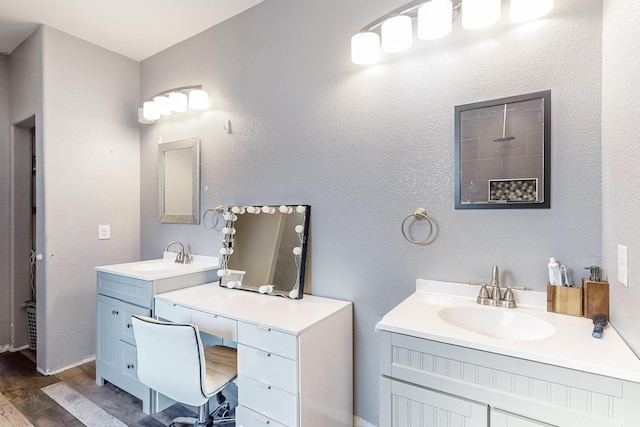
(221, 365)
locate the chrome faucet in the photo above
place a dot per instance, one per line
(496, 294)
(495, 297)
(181, 257)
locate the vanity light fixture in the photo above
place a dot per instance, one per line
(392, 32)
(478, 14)
(525, 10)
(174, 100)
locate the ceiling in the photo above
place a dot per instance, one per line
(134, 28)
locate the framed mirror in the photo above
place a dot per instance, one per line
(503, 152)
(265, 249)
(179, 181)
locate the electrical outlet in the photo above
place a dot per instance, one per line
(623, 265)
(104, 232)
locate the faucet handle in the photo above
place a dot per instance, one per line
(508, 294)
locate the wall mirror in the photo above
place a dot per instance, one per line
(265, 249)
(502, 153)
(179, 181)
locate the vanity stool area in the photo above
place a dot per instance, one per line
(295, 357)
(127, 289)
(445, 371)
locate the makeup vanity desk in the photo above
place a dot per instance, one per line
(295, 357)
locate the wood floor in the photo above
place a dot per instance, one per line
(25, 399)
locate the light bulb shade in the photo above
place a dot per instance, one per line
(435, 19)
(198, 99)
(178, 101)
(528, 10)
(480, 13)
(162, 105)
(397, 34)
(365, 48)
(150, 111)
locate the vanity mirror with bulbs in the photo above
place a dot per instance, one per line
(265, 248)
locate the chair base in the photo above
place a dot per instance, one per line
(220, 416)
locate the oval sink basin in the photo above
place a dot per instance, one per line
(498, 323)
(156, 266)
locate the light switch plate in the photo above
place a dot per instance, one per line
(623, 265)
(104, 232)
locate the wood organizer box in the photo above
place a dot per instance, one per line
(564, 300)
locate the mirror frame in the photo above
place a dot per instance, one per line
(231, 278)
(168, 217)
(545, 203)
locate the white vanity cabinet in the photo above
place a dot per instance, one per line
(295, 357)
(513, 392)
(441, 374)
(119, 296)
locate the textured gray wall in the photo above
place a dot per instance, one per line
(366, 146)
(5, 229)
(91, 167)
(621, 161)
(88, 154)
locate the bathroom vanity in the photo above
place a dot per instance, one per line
(446, 361)
(127, 289)
(295, 356)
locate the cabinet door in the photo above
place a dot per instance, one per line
(506, 419)
(107, 334)
(406, 405)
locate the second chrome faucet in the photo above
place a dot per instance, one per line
(181, 257)
(495, 297)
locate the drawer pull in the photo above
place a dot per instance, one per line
(263, 420)
(129, 366)
(114, 312)
(264, 385)
(129, 325)
(264, 329)
(263, 353)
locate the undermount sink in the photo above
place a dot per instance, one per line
(498, 323)
(156, 266)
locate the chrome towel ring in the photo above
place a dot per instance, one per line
(420, 214)
(217, 212)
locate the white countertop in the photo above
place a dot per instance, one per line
(572, 346)
(144, 269)
(284, 314)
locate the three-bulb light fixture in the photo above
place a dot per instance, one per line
(174, 100)
(435, 18)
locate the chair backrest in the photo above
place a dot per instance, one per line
(170, 359)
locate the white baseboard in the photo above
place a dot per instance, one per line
(43, 372)
(359, 422)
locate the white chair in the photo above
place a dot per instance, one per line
(173, 361)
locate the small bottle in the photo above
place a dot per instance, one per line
(554, 273)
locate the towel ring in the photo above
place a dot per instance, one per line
(419, 215)
(216, 211)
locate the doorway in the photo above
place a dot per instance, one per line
(24, 232)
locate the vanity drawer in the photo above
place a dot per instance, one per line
(268, 401)
(216, 325)
(268, 368)
(269, 340)
(245, 417)
(126, 328)
(172, 312)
